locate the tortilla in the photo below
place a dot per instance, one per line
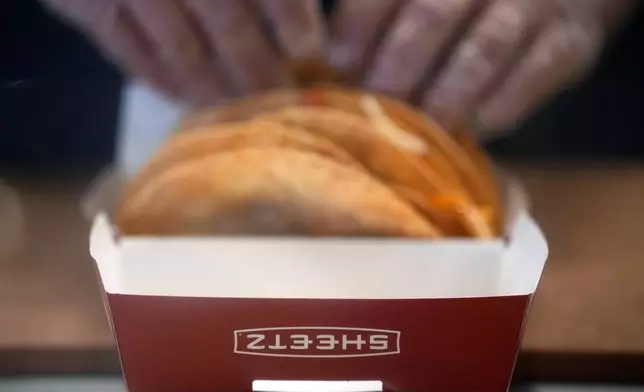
(241, 109)
(268, 191)
(454, 214)
(216, 138)
(443, 176)
(487, 178)
(379, 156)
(348, 101)
(392, 163)
(455, 156)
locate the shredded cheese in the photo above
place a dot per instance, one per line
(388, 129)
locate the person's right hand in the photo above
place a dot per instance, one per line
(492, 62)
(201, 51)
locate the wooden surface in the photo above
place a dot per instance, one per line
(48, 291)
(591, 299)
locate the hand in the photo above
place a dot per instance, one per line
(492, 61)
(201, 50)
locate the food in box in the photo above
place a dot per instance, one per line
(397, 257)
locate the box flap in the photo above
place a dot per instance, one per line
(316, 268)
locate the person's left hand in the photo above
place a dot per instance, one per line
(201, 52)
(491, 61)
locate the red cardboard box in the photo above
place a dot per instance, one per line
(233, 315)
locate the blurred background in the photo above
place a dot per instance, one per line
(581, 158)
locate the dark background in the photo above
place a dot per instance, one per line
(59, 101)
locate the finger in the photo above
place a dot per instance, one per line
(241, 45)
(561, 53)
(112, 29)
(413, 45)
(485, 52)
(180, 48)
(355, 32)
(297, 25)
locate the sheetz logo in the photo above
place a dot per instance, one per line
(317, 342)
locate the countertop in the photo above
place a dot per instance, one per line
(587, 313)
